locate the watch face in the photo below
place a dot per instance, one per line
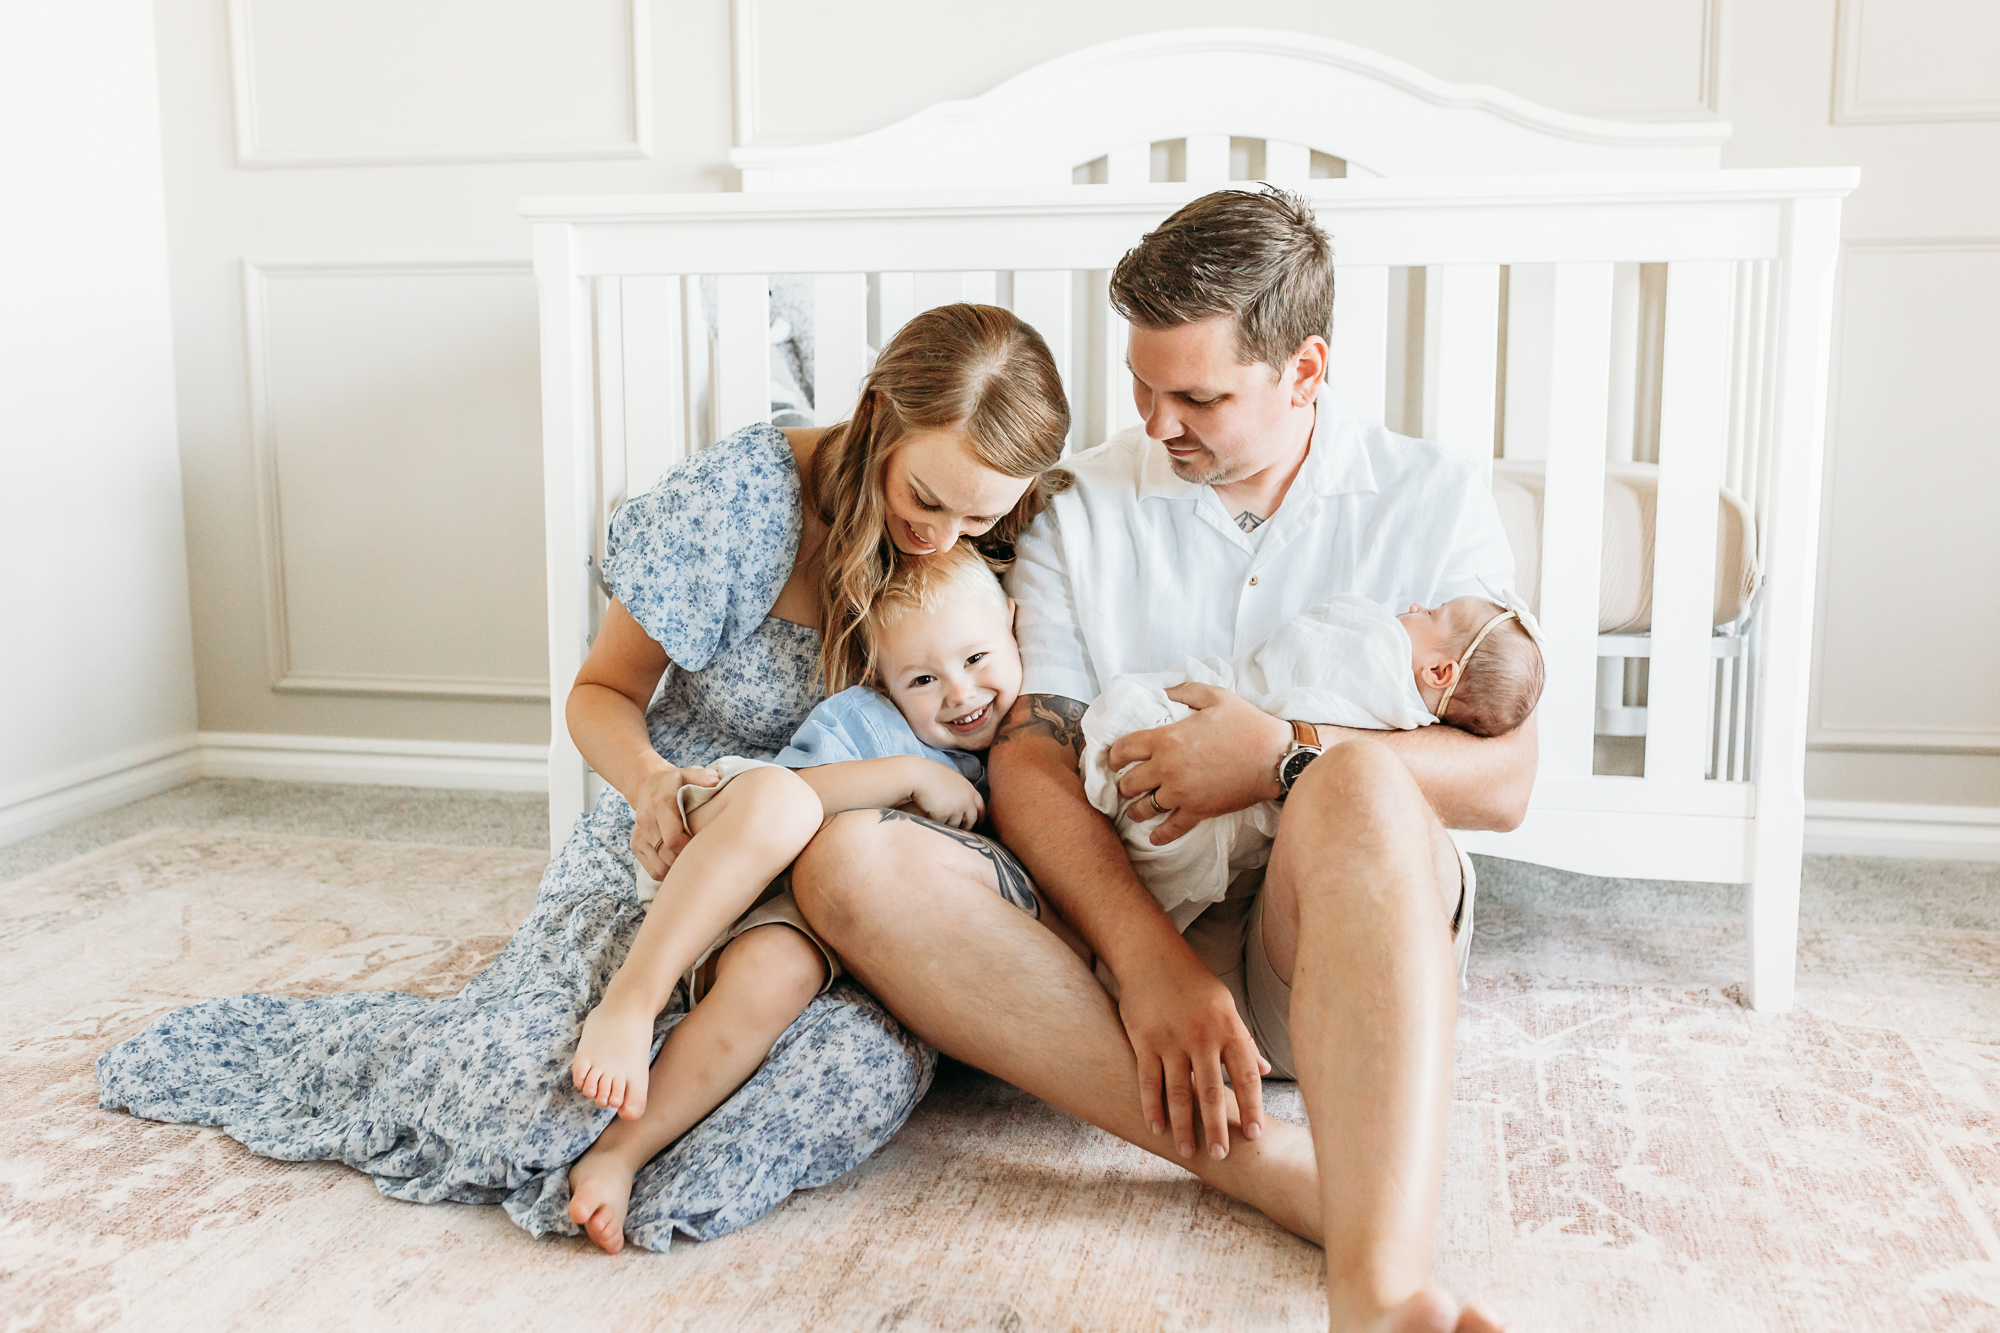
(1296, 765)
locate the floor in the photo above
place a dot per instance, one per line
(1629, 1147)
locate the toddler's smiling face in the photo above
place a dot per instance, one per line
(953, 672)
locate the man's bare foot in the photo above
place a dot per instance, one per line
(612, 1057)
(600, 1190)
(1431, 1312)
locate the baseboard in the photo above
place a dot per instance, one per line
(380, 762)
(130, 775)
(102, 784)
(1886, 828)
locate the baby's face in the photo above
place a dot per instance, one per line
(1436, 632)
(953, 673)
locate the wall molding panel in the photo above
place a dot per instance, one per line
(1849, 105)
(284, 673)
(255, 149)
(1852, 735)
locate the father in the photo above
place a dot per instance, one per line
(1250, 496)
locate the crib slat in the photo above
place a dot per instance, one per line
(742, 351)
(1208, 159)
(931, 290)
(1131, 164)
(980, 288)
(1622, 410)
(698, 341)
(1529, 333)
(653, 411)
(1042, 300)
(1358, 356)
(1694, 421)
(840, 344)
(1286, 163)
(1578, 370)
(895, 301)
(1461, 350)
(1119, 409)
(610, 480)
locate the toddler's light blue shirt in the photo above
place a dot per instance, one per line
(859, 723)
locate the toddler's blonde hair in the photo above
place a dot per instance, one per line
(923, 584)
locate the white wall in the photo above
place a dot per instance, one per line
(367, 232)
(97, 672)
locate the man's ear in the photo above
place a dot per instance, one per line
(1308, 370)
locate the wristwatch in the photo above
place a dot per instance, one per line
(1305, 748)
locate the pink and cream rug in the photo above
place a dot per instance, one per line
(1630, 1148)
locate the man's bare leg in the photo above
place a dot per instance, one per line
(929, 924)
(1356, 915)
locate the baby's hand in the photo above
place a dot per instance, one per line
(945, 796)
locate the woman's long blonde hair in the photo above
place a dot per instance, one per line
(974, 367)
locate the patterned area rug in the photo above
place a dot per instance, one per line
(1630, 1148)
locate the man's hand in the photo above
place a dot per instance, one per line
(1185, 1032)
(1221, 759)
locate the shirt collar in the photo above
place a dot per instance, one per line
(1336, 464)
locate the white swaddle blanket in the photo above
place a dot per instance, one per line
(1345, 662)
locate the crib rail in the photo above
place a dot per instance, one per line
(657, 339)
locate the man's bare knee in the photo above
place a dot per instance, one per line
(1360, 780)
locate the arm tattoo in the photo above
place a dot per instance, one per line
(1051, 715)
(1249, 522)
(1008, 876)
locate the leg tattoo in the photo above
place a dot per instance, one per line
(1013, 881)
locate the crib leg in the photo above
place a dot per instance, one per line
(1774, 919)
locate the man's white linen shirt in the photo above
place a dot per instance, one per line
(1132, 569)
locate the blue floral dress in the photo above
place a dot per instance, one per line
(469, 1099)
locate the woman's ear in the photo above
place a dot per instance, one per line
(1013, 613)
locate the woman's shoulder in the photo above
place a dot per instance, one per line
(700, 557)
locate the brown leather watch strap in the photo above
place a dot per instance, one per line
(1305, 733)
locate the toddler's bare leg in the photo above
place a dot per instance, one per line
(742, 838)
(763, 981)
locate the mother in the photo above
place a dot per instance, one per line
(746, 571)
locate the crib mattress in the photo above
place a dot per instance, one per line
(1625, 588)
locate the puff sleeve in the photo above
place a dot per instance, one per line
(699, 560)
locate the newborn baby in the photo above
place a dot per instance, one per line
(1470, 663)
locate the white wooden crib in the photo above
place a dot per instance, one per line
(657, 339)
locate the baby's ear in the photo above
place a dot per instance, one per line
(1440, 675)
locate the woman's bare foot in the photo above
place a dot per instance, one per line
(600, 1190)
(612, 1056)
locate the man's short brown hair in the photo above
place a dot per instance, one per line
(1257, 256)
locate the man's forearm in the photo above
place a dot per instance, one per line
(1073, 852)
(1472, 782)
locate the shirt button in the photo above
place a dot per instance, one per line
(1253, 580)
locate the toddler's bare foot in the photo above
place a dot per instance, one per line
(600, 1190)
(612, 1057)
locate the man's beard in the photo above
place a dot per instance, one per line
(1203, 469)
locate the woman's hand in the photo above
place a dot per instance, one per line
(945, 796)
(658, 832)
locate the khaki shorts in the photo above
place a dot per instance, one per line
(774, 906)
(1229, 938)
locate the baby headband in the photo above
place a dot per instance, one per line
(1516, 610)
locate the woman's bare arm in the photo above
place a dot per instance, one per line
(606, 714)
